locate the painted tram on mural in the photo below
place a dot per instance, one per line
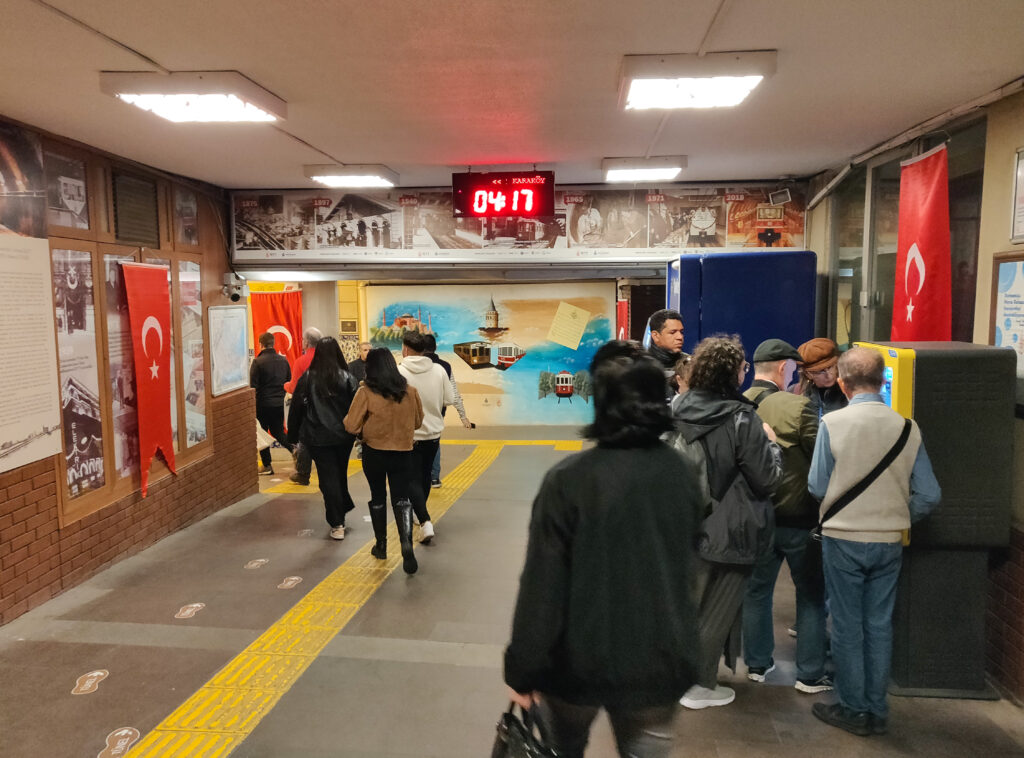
(508, 354)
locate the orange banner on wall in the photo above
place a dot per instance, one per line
(279, 313)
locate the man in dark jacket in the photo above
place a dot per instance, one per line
(667, 345)
(795, 423)
(358, 367)
(605, 614)
(267, 375)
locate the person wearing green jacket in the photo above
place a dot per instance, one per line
(794, 419)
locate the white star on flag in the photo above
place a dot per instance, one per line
(154, 368)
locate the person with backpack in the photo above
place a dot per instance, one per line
(386, 412)
(719, 432)
(795, 423)
(321, 400)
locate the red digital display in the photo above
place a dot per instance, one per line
(503, 193)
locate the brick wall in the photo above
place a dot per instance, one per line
(1005, 622)
(38, 560)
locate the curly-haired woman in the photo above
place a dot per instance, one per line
(743, 466)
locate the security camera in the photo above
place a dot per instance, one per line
(234, 287)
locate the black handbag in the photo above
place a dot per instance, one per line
(518, 738)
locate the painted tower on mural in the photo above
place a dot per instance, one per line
(491, 327)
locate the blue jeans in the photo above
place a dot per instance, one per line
(758, 632)
(861, 579)
(435, 469)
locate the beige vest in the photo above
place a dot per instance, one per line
(860, 435)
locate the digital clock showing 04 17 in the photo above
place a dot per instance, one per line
(503, 193)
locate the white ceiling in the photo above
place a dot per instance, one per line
(431, 86)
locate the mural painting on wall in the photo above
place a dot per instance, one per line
(519, 355)
(328, 225)
(22, 183)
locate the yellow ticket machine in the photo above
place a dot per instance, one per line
(962, 397)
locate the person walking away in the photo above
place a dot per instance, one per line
(321, 401)
(267, 375)
(435, 469)
(605, 616)
(795, 423)
(873, 477)
(386, 411)
(303, 461)
(819, 373)
(435, 393)
(741, 464)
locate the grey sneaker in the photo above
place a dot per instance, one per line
(698, 697)
(814, 686)
(758, 673)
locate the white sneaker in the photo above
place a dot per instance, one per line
(426, 532)
(338, 533)
(698, 697)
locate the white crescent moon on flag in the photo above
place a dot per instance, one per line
(152, 323)
(914, 256)
(278, 329)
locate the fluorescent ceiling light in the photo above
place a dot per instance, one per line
(660, 169)
(352, 175)
(713, 80)
(205, 96)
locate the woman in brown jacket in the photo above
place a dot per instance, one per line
(386, 411)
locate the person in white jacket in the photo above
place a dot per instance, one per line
(435, 390)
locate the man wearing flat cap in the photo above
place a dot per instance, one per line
(795, 422)
(819, 375)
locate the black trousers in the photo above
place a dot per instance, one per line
(271, 418)
(303, 461)
(332, 469)
(423, 453)
(383, 468)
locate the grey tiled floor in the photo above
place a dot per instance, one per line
(417, 672)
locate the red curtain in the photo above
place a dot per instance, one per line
(149, 312)
(279, 313)
(922, 308)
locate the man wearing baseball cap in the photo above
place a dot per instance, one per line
(818, 377)
(795, 423)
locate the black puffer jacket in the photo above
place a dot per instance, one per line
(319, 421)
(743, 466)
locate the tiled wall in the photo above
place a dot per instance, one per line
(38, 560)
(1005, 623)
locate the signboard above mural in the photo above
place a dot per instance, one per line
(335, 226)
(527, 194)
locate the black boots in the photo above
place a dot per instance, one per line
(379, 519)
(403, 519)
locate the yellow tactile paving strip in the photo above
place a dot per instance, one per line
(217, 718)
(291, 488)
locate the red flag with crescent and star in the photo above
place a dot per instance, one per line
(149, 311)
(279, 313)
(922, 305)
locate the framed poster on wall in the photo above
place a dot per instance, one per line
(228, 349)
(1007, 328)
(1017, 217)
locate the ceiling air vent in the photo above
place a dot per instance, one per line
(136, 215)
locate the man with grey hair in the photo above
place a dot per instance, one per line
(303, 460)
(873, 477)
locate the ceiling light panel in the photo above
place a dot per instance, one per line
(195, 96)
(691, 81)
(352, 175)
(658, 169)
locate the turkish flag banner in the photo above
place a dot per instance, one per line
(149, 312)
(279, 313)
(922, 307)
